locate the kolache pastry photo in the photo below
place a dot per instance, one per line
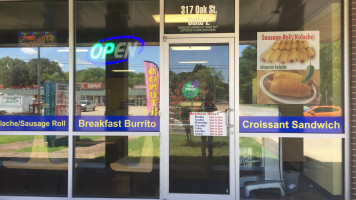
(289, 84)
(288, 51)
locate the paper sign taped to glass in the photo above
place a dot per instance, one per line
(288, 67)
(208, 123)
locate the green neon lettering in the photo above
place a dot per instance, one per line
(108, 49)
(96, 56)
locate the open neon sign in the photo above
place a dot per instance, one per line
(117, 47)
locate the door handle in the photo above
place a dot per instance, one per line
(227, 112)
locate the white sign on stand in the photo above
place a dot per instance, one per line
(208, 123)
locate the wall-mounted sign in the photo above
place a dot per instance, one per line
(115, 50)
(91, 86)
(33, 123)
(288, 67)
(206, 16)
(117, 123)
(11, 100)
(37, 39)
(190, 89)
(277, 124)
(208, 123)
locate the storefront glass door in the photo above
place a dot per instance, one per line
(198, 125)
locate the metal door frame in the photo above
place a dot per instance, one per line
(164, 99)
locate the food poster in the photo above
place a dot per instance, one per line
(62, 99)
(288, 68)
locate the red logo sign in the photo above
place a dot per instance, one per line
(91, 86)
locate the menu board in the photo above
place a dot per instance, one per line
(288, 70)
(205, 16)
(208, 123)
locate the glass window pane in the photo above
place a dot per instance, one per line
(301, 168)
(34, 165)
(34, 66)
(117, 65)
(199, 86)
(116, 166)
(308, 84)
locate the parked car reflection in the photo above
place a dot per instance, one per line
(87, 105)
(322, 111)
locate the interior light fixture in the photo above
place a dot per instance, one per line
(191, 62)
(191, 48)
(180, 18)
(123, 70)
(77, 50)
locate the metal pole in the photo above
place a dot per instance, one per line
(38, 82)
(214, 90)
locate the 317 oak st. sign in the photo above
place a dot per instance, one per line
(209, 16)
